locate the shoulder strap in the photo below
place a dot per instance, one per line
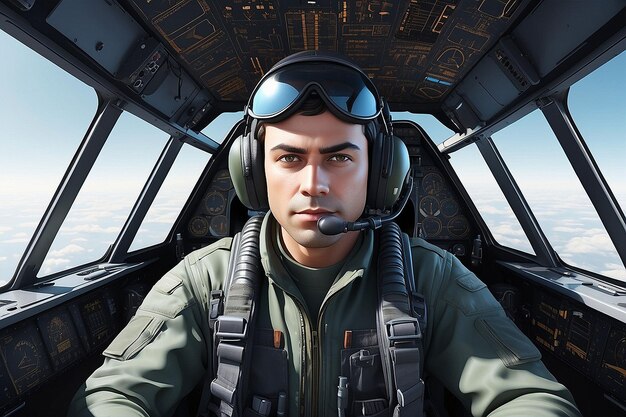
(233, 328)
(399, 332)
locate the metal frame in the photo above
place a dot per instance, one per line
(581, 159)
(540, 244)
(145, 199)
(63, 199)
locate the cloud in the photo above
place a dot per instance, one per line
(15, 240)
(488, 209)
(90, 228)
(3, 258)
(615, 271)
(50, 262)
(4, 229)
(579, 230)
(67, 250)
(79, 239)
(507, 230)
(51, 265)
(596, 244)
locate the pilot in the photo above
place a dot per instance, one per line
(317, 147)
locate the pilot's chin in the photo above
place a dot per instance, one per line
(313, 238)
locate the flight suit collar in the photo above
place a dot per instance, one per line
(354, 267)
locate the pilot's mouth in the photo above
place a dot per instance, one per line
(313, 214)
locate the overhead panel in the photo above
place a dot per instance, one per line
(88, 24)
(417, 50)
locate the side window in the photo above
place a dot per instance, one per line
(221, 125)
(44, 114)
(489, 199)
(169, 201)
(556, 197)
(107, 196)
(598, 108)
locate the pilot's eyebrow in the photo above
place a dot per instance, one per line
(329, 149)
(339, 147)
(287, 148)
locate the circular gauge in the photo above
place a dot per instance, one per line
(215, 203)
(458, 250)
(429, 206)
(198, 226)
(27, 356)
(219, 225)
(458, 226)
(433, 183)
(431, 226)
(222, 180)
(449, 207)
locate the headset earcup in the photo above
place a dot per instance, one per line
(398, 172)
(389, 166)
(375, 172)
(245, 163)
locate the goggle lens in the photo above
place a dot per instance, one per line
(347, 89)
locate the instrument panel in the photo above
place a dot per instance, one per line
(36, 350)
(211, 218)
(440, 214)
(583, 338)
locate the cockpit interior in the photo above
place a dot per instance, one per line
(131, 174)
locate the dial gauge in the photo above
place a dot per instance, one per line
(449, 207)
(198, 226)
(222, 180)
(433, 183)
(458, 227)
(215, 203)
(431, 226)
(429, 206)
(25, 357)
(219, 226)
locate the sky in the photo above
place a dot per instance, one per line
(45, 113)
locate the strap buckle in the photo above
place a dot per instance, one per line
(231, 328)
(406, 329)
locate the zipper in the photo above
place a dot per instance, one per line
(317, 354)
(304, 321)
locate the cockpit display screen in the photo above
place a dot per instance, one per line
(25, 356)
(612, 372)
(97, 319)
(60, 337)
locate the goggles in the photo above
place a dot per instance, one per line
(348, 93)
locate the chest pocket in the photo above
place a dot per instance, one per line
(361, 363)
(269, 373)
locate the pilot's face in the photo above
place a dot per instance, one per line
(315, 166)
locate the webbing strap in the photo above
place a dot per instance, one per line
(232, 328)
(399, 332)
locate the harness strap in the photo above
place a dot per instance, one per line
(232, 328)
(399, 332)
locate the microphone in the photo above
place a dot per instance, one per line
(333, 225)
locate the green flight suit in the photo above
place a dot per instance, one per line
(470, 345)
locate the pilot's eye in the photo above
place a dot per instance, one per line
(290, 159)
(340, 158)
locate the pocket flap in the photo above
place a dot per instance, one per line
(135, 336)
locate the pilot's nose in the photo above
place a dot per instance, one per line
(314, 181)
